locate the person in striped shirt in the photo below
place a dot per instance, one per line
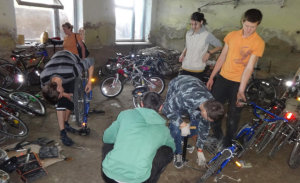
(58, 80)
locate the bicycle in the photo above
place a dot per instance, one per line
(240, 143)
(111, 86)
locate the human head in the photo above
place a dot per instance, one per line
(197, 19)
(67, 27)
(252, 18)
(50, 93)
(212, 110)
(153, 101)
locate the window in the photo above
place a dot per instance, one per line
(130, 20)
(33, 20)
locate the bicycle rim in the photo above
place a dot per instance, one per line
(281, 141)
(156, 84)
(79, 101)
(15, 127)
(28, 102)
(165, 69)
(137, 101)
(11, 77)
(294, 159)
(109, 88)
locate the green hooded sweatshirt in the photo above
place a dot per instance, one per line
(136, 134)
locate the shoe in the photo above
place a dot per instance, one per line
(69, 128)
(188, 147)
(66, 140)
(177, 161)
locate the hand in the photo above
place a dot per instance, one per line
(205, 57)
(209, 83)
(201, 159)
(67, 95)
(185, 131)
(61, 90)
(240, 96)
(181, 58)
(88, 87)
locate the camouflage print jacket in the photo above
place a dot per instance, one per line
(185, 95)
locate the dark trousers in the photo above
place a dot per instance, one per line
(199, 75)
(163, 157)
(223, 90)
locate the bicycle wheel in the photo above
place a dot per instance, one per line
(261, 93)
(214, 166)
(294, 158)
(2, 61)
(137, 101)
(11, 77)
(110, 87)
(155, 84)
(28, 103)
(33, 75)
(269, 136)
(79, 101)
(249, 143)
(165, 69)
(12, 126)
(2, 129)
(286, 134)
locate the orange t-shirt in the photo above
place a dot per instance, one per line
(239, 52)
(70, 43)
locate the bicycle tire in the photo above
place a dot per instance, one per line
(27, 102)
(14, 123)
(108, 90)
(165, 69)
(214, 166)
(268, 138)
(250, 142)
(33, 79)
(2, 135)
(261, 92)
(156, 84)
(79, 101)
(13, 77)
(2, 61)
(282, 140)
(294, 158)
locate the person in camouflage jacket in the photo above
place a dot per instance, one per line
(188, 95)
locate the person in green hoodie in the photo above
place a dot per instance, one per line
(138, 145)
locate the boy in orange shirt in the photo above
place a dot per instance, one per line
(240, 53)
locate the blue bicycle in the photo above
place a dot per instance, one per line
(81, 101)
(240, 143)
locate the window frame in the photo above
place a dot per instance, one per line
(56, 21)
(42, 5)
(133, 23)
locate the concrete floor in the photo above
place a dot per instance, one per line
(86, 166)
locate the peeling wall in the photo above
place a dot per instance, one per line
(279, 28)
(7, 28)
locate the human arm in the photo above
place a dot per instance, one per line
(245, 78)
(218, 66)
(88, 86)
(212, 40)
(59, 88)
(67, 95)
(182, 55)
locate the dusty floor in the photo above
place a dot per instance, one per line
(86, 165)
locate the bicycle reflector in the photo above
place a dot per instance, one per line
(289, 116)
(93, 80)
(298, 98)
(13, 57)
(238, 164)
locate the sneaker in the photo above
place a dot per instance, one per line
(188, 147)
(177, 161)
(66, 140)
(69, 128)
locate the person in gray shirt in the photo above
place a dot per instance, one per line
(196, 52)
(188, 95)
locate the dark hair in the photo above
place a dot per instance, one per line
(68, 25)
(198, 17)
(50, 93)
(214, 110)
(253, 16)
(152, 100)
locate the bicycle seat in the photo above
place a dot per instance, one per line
(119, 54)
(55, 42)
(139, 91)
(17, 51)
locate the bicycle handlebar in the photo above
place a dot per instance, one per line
(268, 112)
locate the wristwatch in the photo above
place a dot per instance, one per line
(208, 52)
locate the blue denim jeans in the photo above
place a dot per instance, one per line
(176, 134)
